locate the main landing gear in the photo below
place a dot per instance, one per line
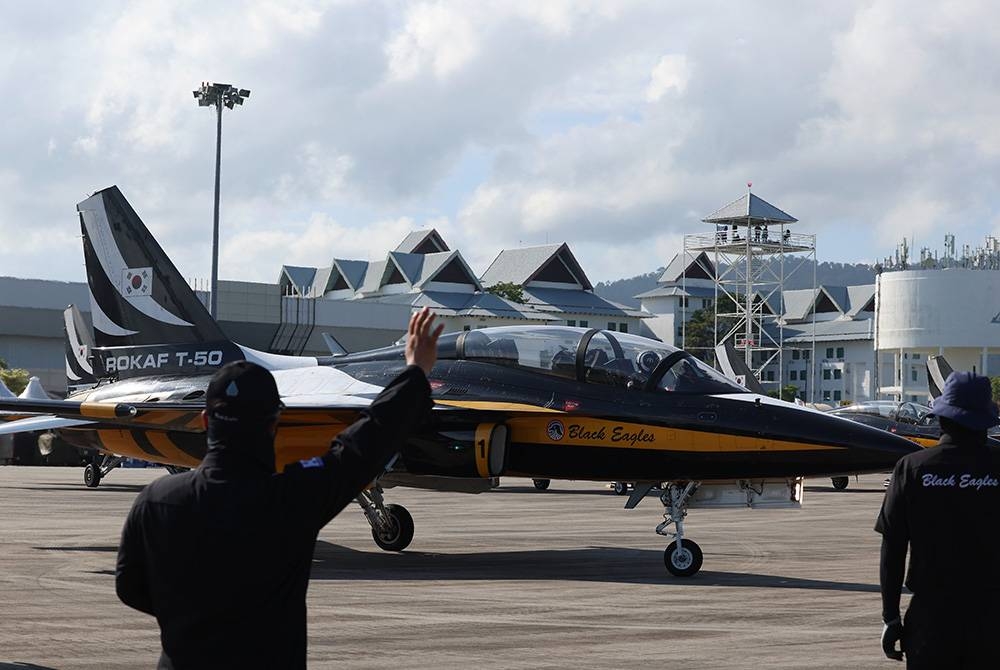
(682, 557)
(94, 472)
(392, 525)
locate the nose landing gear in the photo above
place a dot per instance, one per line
(682, 557)
(392, 525)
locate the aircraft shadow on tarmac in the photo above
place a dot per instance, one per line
(62, 486)
(594, 564)
(103, 548)
(830, 489)
(23, 666)
(549, 492)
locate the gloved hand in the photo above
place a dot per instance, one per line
(891, 634)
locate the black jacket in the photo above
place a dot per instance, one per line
(221, 555)
(944, 503)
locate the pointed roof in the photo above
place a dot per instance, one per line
(700, 267)
(549, 263)
(409, 265)
(862, 299)
(422, 242)
(298, 277)
(748, 209)
(353, 272)
(448, 266)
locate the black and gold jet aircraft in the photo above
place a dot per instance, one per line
(542, 402)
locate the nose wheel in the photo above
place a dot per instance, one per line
(392, 525)
(683, 558)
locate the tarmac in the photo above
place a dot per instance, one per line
(513, 578)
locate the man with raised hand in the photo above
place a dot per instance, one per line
(221, 555)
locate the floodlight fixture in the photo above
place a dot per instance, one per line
(219, 96)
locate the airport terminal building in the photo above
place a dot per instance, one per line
(842, 344)
(350, 304)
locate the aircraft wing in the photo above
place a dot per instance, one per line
(25, 414)
(40, 422)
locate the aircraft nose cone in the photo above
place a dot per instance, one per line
(868, 449)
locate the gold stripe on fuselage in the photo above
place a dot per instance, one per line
(122, 443)
(587, 432)
(171, 452)
(497, 406)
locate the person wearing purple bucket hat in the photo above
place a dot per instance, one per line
(943, 503)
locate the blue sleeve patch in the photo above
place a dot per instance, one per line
(315, 462)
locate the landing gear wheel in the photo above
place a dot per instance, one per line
(840, 483)
(399, 533)
(683, 561)
(541, 484)
(92, 476)
(620, 488)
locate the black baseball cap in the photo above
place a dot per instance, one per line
(242, 391)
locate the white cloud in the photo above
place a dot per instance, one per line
(436, 37)
(670, 74)
(612, 126)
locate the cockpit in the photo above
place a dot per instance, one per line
(903, 412)
(589, 356)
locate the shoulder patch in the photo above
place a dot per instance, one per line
(315, 462)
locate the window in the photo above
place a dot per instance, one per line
(570, 322)
(770, 375)
(622, 327)
(793, 375)
(584, 323)
(706, 303)
(684, 302)
(836, 395)
(466, 327)
(916, 357)
(840, 352)
(805, 355)
(611, 325)
(680, 331)
(837, 373)
(826, 395)
(802, 375)
(826, 373)
(796, 354)
(829, 352)
(913, 374)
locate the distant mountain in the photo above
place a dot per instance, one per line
(622, 290)
(833, 274)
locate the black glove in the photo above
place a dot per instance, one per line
(891, 634)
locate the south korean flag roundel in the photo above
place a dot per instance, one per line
(137, 282)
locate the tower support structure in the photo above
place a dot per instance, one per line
(755, 251)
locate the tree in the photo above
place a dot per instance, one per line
(508, 290)
(13, 378)
(700, 333)
(788, 393)
(995, 386)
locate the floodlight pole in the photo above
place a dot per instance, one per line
(214, 304)
(218, 95)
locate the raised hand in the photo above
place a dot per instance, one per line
(421, 340)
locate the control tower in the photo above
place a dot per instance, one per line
(754, 252)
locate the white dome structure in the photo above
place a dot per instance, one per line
(953, 312)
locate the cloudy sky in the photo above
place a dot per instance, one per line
(612, 125)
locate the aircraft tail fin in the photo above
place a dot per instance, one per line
(147, 320)
(938, 370)
(335, 347)
(137, 296)
(736, 368)
(79, 345)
